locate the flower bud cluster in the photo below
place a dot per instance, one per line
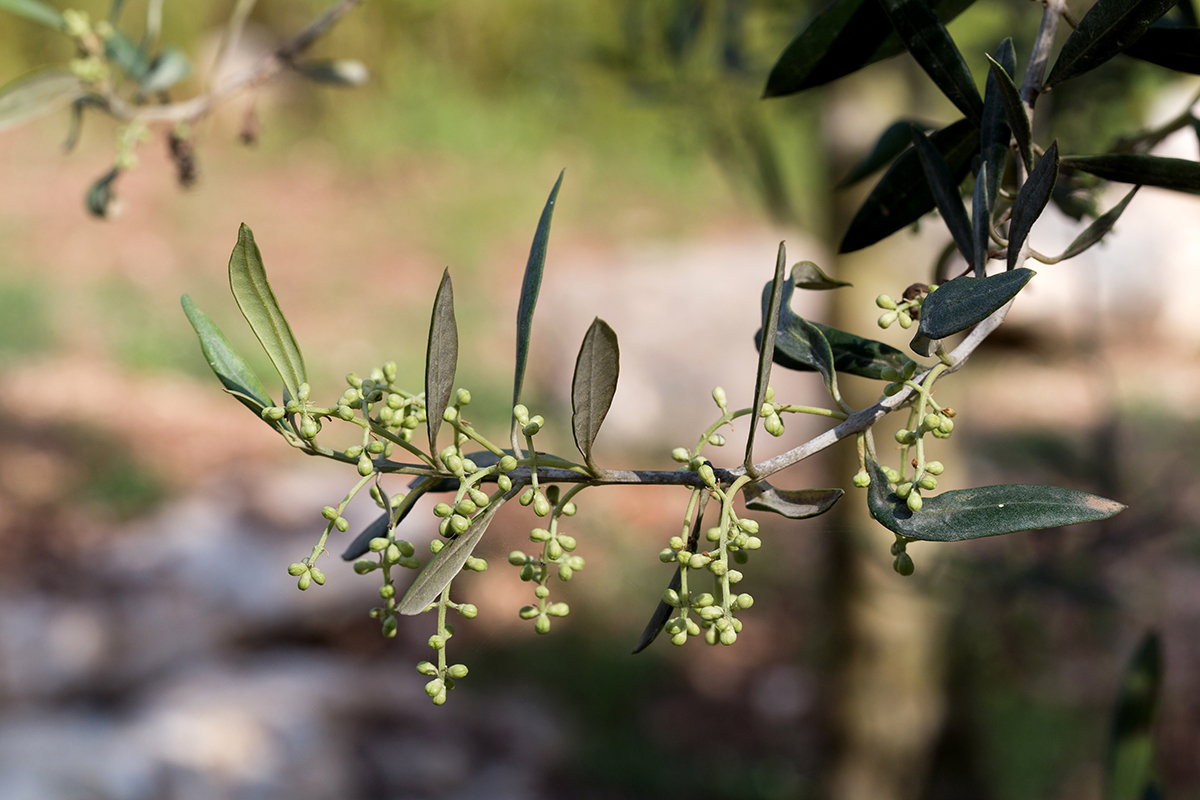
(903, 311)
(772, 422)
(555, 559)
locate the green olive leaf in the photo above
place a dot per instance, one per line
(1129, 762)
(894, 140)
(843, 38)
(963, 514)
(1106, 29)
(902, 195)
(995, 133)
(228, 365)
(931, 46)
(1098, 229)
(531, 285)
(807, 275)
(799, 340)
(945, 195)
(981, 219)
(441, 358)
(37, 94)
(248, 280)
(963, 302)
(1169, 173)
(766, 349)
(790, 503)
(1031, 202)
(36, 11)
(662, 612)
(594, 385)
(449, 561)
(101, 194)
(1173, 48)
(126, 55)
(1014, 109)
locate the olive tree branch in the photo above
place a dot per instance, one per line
(263, 70)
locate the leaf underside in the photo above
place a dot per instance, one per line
(790, 503)
(1168, 173)
(594, 385)
(945, 195)
(985, 511)
(441, 358)
(1099, 227)
(778, 290)
(531, 285)
(248, 280)
(228, 365)
(39, 93)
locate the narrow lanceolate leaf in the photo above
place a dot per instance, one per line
(963, 302)
(930, 44)
(128, 57)
(800, 340)
(449, 561)
(530, 286)
(1169, 173)
(339, 72)
(1014, 110)
(101, 194)
(36, 11)
(228, 365)
(807, 275)
(1031, 202)
(594, 385)
(963, 514)
(790, 503)
(1098, 229)
(662, 612)
(248, 280)
(995, 134)
(169, 68)
(844, 37)
(981, 217)
(1173, 48)
(37, 94)
(945, 195)
(766, 350)
(1130, 763)
(441, 358)
(852, 355)
(1106, 29)
(894, 140)
(902, 195)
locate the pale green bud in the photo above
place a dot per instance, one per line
(774, 425)
(364, 566)
(946, 426)
(393, 554)
(390, 624)
(427, 669)
(317, 576)
(309, 428)
(450, 414)
(718, 396)
(436, 546)
(565, 571)
(702, 600)
(436, 642)
(462, 397)
(342, 524)
(568, 542)
(521, 414)
(541, 506)
(457, 671)
(905, 436)
(528, 612)
(410, 562)
(375, 448)
(666, 556)
(681, 455)
(504, 482)
(527, 497)
(711, 612)
(903, 490)
(304, 581)
(728, 637)
(532, 427)
(539, 535)
(466, 507)
(753, 543)
(542, 625)
(453, 463)
(679, 639)
(675, 543)
(890, 374)
(717, 568)
(935, 468)
(459, 523)
(748, 525)
(886, 319)
(698, 561)
(885, 302)
(480, 499)
(507, 464)
(931, 421)
(554, 551)
(378, 544)
(541, 592)
(476, 564)
(693, 629)
(468, 611)
(575, 563)
(434, 687)
(905, 320)
(914, 502)
(928, 483)
(707, 475)
(558, 610)
(387, 590)
(743, 601)
(903, 564)
(365, 467)
(297, 569)
(517, 558)
(861, 479)
(713, 534)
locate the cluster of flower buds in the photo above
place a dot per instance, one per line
(905, 310)
(772, 422)
(555, 559)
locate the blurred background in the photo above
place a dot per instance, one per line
(152, 644)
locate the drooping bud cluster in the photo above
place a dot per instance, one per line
(556, 559)
(905, 310)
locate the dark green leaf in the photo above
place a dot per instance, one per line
(1031, 202)
(995, 134)
(449, 561)
(800, 340)
(902, 196)
(235, 375)
(790, 503)
(248, 280)
(981, 214)
(530, 286)
(594, 384)
(37, 94)
(1130, 758)
(1169, 173)
(36, 11)
(986, 511)
(1106, 29)
(1173, 48)
(169, 68)
(128, 57)
(929, 43)
(807, 275)
(778, 288)
(966, 301)
(101, 194)
(891, 143)
(340, 72)
(945, 195)
(361, 544)
(1098, 229)
(662, 613)
(1014, 110)
(843, 38)
(441, 358)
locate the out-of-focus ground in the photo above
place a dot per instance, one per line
(153, 646)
